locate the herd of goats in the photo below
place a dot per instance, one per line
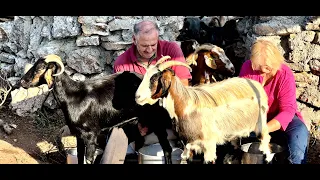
(204, 115)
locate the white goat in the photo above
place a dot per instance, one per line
(209, 114)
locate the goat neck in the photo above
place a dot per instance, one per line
(65, 86)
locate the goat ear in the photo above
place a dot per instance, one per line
(165, 80)
(192, 59)
(209, 60)
(48, 76)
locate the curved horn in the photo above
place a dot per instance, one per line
(162, 59)
(207, 47)
(56, 59)
(167, 64)
(27, 67)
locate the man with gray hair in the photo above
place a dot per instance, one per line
(146, 49)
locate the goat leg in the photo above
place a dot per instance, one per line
(91, 144)
(90, 151)
(164, 142)
(80, 150)
(139, 142)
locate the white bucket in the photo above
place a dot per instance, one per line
(153, 154)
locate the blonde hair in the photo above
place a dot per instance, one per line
(264, 52)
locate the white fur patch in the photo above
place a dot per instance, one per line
(144, 92)
(169, 106)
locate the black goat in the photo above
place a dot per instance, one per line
(190, 29)
(222, 36)
(95, 104)
(188, 47)
(225, 37)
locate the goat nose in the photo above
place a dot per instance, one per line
(137, 96)
(233, 70)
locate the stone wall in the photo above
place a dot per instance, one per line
(298, 39)
(88, 46)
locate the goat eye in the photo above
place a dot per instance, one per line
(154, 77)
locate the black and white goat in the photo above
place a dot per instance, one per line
(210, 114)
(95, 104)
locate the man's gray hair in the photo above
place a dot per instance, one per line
(141, 26)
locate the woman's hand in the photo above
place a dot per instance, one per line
(273, 125)
(143, 130)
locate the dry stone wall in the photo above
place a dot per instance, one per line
(298, 39)
(88, 46)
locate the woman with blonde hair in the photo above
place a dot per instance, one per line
(285, 122)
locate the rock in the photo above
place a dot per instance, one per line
(7, 128)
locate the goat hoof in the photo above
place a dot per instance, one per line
(184, 156)
(269, 158)
(210, 162)
(168, 161)
(89, 161)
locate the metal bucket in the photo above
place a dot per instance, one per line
(252, 155)
(72, 157)
(153, 154)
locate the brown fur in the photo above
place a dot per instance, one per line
(208, 70)
(212, 114)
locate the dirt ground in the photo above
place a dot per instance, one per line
(30, 142)
(34, 140)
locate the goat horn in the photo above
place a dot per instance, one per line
(167, 64)
(206, 46)
(56, 59)
(27, 67)
(162, 59)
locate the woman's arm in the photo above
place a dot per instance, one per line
(287, 102)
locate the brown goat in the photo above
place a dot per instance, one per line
(209, 114)
(209, 64)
